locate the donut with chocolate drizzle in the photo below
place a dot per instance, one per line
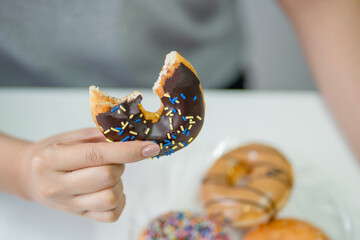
(247, 185)
(174, 126)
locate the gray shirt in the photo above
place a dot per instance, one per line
(117, 42)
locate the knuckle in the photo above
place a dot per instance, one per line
(108, 177)
(111, 199)
(112, 216)
(94, 156)
(37, 164)
(46, 191)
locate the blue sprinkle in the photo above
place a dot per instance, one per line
(166, 154)
(155, 141)
(171, 150)
(114, 109)
(166, 140)
(157, 156)
(118, 128)
(183, 96)
(187, 134)
(138, 120)
(125, 139)
(184, 118)
(167, 144)
(195, 98)
(174, 110)
(173, 136)
(169, 153)
(132, 138)
(121, 132)
(184, 131)
(185, 144)
(172, 101)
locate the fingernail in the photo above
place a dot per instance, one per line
(150, 150)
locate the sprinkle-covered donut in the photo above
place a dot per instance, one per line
(285, 229)
(174, 126)
(247, 185)
(183, 225)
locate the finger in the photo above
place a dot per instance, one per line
(103, 200)
(107, 216)
(85, 155)
(92, 179)
(81, 135)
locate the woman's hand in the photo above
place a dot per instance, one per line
(80, 173)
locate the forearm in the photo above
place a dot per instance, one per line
(11, 165)
(329, 32)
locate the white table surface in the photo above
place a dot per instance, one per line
(326, 192)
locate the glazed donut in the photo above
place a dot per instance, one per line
(247, 185)
(174, 126)
(183, 225)
(285, 229)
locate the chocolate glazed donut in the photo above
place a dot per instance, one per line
(174, 126)
(247, 185)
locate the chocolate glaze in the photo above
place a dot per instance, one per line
(182, 84)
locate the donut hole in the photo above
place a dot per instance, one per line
(239, 173)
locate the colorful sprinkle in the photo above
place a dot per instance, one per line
(190, 127)
(166, 95)
(187, 133)
(114, 109)
(115, 130)
(107, 131)
(179, 111)
(121, 132)
(161, 146)
(169, 112)
(184, 131)
(189, 117)
(185, 144)
(125, 139)
(183, 96)
(171, 127)
(131, 116)
(147, 130)
(174, 147)
(119, 111)
(182, 127)
(132, 138)
(174, 137)
(168, 135)
(177, 101)
(198, 117)
(144, 121)
(125, 125)
(138, 120)
(181, 144)
(184, 118)
(174, 110)
(141, 115)
(190, 140)
(195, 98)
(133, 133)
(108, 140)
(122, 108)
(171, 150)
(170, 120)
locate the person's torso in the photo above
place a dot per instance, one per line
(115, 42)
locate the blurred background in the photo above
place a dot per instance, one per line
(64, 49)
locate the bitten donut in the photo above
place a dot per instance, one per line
(174, 126)
(286, 229)
(247, 185)
(183, 225)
